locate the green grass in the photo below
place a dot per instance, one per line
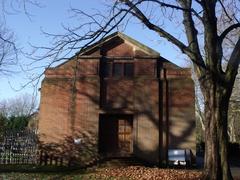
(46, 176)
(22, 172)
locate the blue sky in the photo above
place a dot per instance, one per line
(49, 18)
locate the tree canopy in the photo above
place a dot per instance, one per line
(16, 112)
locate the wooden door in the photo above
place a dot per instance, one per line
(108, 135)
(125, 141)
(115, 134)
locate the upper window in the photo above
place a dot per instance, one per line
(107, 69)
(128, 70)
(123, 70)
(117, 69)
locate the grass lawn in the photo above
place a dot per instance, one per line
(30, 176)
(25, 172)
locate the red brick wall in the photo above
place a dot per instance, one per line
(69, 110)
(182, 114)
(54, 110)
(145, 67)
(119, 94)
(146, 119)
(121, 50)
(88, 68)
(70, 104)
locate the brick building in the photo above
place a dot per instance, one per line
(118, 98)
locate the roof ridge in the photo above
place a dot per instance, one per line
(124, 37)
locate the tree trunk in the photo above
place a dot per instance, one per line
(216, 137)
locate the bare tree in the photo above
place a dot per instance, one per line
(22, 105)
(15, 113)
(233, 118)
(202, 41)
(9, 49)
(234, 112)
(228, 45)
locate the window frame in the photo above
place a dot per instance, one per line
(131, 74)
(110, 64)
(120, 72)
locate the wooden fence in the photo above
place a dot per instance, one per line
(52, 159)
(19, 147)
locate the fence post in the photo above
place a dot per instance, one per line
(18, 147)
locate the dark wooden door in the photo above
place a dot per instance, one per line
(125, 135)
(115, 134)
(108, 138)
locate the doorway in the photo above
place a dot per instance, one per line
(115, 134)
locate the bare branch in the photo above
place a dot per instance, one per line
(8, 50)
(233, 64)
(191, 34)
(163, 4)
(228, 30)
(225, 11)
(138, 14)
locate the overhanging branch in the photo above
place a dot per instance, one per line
(163, 4)
(225, 11)
(196, 58)
(233, 64)
(192, 33)
(228, 30)
(138, 14)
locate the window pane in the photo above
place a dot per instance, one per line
(107, 69)
(128, 71)
(117, 69)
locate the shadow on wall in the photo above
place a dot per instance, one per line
(136, 95)
(71, 151)
(181, 132)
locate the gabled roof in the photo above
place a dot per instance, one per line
(125, 38)
(110, 38)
